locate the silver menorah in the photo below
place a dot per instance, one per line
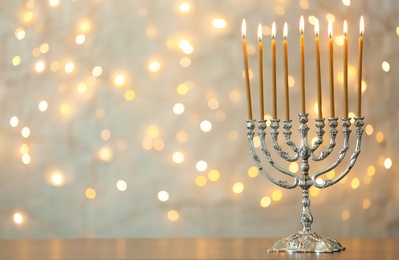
(306, 240)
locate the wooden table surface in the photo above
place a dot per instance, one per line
(180, 248)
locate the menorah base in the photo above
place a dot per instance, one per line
(307, 242)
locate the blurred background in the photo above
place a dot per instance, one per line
(127, 118)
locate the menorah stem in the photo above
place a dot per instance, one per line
(306, 217)
(305, 182)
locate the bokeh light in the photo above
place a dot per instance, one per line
(121, 185)
(206, 126)
(90, 193)
(14, 121)
(57, 178)
(163, 195)
(238, 187)
(201, 166)
(178, 157)
(214, 175)
(219, 23)
(265, 201)
(18, 218)
(173, 215)
(201, 181)
(184, 7)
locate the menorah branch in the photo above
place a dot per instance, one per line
(333, 123)
(274, 124)
(359, 131)
(266, 153)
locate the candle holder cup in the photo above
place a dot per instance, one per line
(305, 240)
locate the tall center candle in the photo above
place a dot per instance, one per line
(346, 69)
(274, 88)
(287, 96)
(359, 79)
(244, 47)
(302, 49)
(317, 43)
(260, 48)
(331, 50)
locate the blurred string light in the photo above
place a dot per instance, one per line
(90, 193)
(178, 108)
(26, 158)
(154, 66)
(43, 105)
(119, 80)
(178, 157)
(105, 154)
(186, 46)
(265, 201)
(69, 67)
(253, 171)
(121, 185)
(25, 132)
(385, 66)
(16, 60)
(219, 23)
(214, 175)
(173, 215)
(185, 7)
(97, 71)
(57, 178)
(18, 218)
(105, 134)
(54, 2)
(14, 121)
(304, 4)
(346, 2)
(163, 195)
(185, 62)
(345, 215)
(80, 39)
(20, 33)
(388, 163)
(40, 66)
(206, 126)
(277, 195)
(201, 181)
(201, 166)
